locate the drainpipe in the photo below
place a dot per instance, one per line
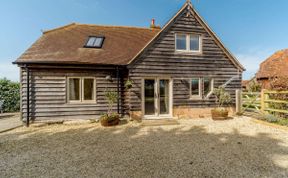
(28, 96)
(118, 90)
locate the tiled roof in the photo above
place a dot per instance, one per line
(276, 65)
(65, 45)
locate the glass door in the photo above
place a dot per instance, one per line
(157, 97)
(149, 97)
(164, 97)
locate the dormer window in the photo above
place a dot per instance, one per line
(188, 43)
(94, 42)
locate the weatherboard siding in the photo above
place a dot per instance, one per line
(161, 59)
(48, 94)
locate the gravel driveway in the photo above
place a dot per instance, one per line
(194, 148)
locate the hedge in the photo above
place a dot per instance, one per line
(10, 94)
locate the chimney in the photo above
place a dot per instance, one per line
(153, 23)
(153, 26)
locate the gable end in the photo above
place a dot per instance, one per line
(190, 11)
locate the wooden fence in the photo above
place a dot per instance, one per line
(272, 102)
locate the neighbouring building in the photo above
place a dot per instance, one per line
(275, 66)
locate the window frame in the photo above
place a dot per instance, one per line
(68, 90)
(188, 46)
(211, 87)
(82, 90)
(81, 94)
(103, 39)
(199, 87)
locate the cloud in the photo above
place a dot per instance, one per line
(10, 71)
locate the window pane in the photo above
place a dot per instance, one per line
(88, 89)
(181, 42)
(207, 86)
(98, 42)
(91, 41)
(195, 87)
(74, 89)
(95, 42)
(194, 42)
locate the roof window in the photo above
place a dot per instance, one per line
(94, 42)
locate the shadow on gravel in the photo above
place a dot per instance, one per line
(139, 152)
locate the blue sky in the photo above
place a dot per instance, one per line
(251, 29)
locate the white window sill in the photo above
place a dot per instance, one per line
(81, 103)
(196, 98)
(188, 52)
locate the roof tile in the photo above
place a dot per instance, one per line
(66, 45)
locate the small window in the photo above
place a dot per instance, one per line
(208, 86)
(195, 87)
(81, 89)
(194, 42)
(181, 43)
(74, 89)
(94, 42)
(188, 42)
(88, 89)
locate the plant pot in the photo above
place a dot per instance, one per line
(219, 114)
(110, 121)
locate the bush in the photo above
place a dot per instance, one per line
(10, 94)
(222, 96)
(270, 118)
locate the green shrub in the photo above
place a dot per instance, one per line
(10, 94)
(270, 118)
(222, 96)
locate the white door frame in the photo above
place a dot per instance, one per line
(157, 114)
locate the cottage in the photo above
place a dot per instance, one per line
(65, 73)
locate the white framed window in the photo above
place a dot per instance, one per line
(188, 42)
(195, 88)
(201, 88)
(81, 90)
(208, 86)
(181, 42)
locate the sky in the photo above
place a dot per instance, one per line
(251, 29)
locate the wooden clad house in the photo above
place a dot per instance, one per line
(174, 69)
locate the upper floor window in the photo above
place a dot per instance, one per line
(81, 90)
(94, 42)
(188, 42)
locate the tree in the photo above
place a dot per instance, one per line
(10, 95)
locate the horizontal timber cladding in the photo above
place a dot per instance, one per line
(48, 93)
(161, 60)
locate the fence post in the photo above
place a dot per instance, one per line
(264, 97)
(238, 101)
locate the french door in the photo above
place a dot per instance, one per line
(157, 97)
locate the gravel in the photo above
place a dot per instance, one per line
(193, 148)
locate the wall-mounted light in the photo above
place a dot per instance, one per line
(109, 78)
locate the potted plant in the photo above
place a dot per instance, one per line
(222, 98)
(110, 118)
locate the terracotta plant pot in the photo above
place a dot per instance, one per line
(108, 121)
(219, 114)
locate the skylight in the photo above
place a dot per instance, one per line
(94, 42)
